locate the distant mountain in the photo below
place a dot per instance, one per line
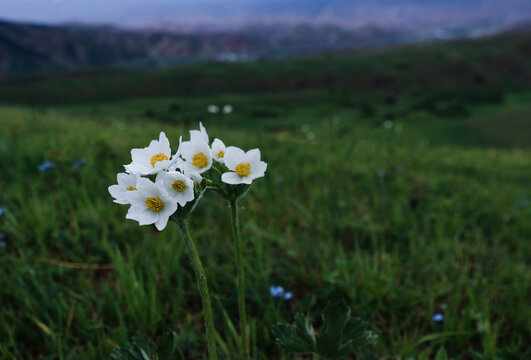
(29, 49)
(521, 27)
(32, 49)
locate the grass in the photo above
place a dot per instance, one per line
(406, 222)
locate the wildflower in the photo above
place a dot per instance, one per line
(47, 165)
(524, 203)
(288, 295)
(276, 291)
(152, 159)
(79, 163)
(218, 150)
(387, 124)
(437, 318)
(400, 169)
(245, 166)
(126, 184)
(200, 134)
(227, 109)
(151, 204)
(197, 156)
(213, 109)
(381, 173)
(177, 185)
(3, 209)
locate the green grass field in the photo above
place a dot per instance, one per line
(422, 217)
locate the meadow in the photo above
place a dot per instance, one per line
(404, 192)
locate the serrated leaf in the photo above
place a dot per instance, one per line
(340, 336)
(298, 337)
(141, 348)
(336, 316)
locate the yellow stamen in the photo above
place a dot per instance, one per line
(178, 185)
(221, 153)
(158, 157)
(243, 169)
(154, 204)
(200, 160)
(130, 188)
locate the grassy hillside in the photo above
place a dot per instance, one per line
(401, 196)
(469, 70)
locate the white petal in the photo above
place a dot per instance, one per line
(253, 155)
(259, 168)
(161, 223)
(144, 216)
(231, 178)
(233, 157)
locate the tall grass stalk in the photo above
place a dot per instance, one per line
(203, 287)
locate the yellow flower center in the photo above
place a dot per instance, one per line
(154, 204)
(199, 160)
(221, 153)
(178, 185)
(130, 188)
(158, 157)
(243, 169)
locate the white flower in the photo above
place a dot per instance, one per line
(126, 184)
(218, 150)
(200, 134)
(245, 166)
(212, 109)
(151, 204)
(197, 156)
(227, 109)
(151, 159)
(177, 185)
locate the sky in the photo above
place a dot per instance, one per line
(141, 13)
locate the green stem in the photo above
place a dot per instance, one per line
(203, 287)
(241, 277)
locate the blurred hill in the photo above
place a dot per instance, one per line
(442, 78)
(27, 49)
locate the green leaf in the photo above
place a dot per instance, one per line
(335, 317)
(441, 354)
(340, 336)
(142, 348)
(298, 337)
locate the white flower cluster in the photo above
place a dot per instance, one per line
(177, 177)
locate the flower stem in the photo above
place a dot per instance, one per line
(202, 285)
(241, 277)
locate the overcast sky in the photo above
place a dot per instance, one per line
(414, 13)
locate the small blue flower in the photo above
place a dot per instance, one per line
(437, 318)
(3, 209)
(381, 173)
(400, 169)
(47, 165)
(524, 203)
(288, 295)
(276, 291)
(79, 163)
